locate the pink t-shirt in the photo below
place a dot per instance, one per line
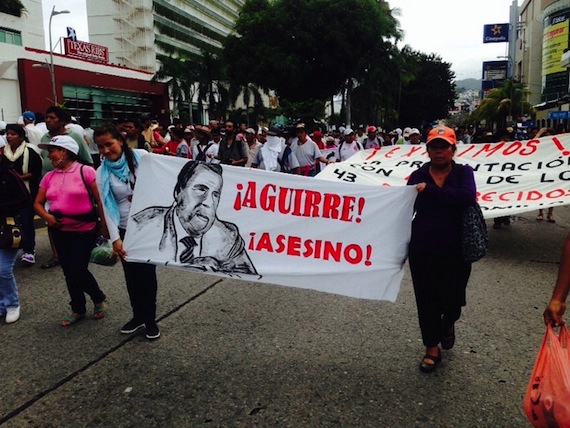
(66, 193)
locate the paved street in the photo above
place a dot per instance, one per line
(239, 354)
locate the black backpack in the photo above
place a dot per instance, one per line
(284, 162)
(202, 153)
(340, 147)
(14, 194)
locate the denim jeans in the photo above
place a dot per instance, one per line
(8, 289)
(74, 250)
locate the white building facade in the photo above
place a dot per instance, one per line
(135, 30)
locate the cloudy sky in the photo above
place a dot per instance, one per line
(453, 29)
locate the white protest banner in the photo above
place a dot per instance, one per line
(329, 154)
(512, 177)
(276, 228)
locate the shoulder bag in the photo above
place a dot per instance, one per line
(474, 238)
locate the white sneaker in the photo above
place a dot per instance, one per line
(29, 258)
(12, 314)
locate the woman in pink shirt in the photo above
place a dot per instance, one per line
(72, 219)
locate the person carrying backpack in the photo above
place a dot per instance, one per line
(348, 147)
(14, 196)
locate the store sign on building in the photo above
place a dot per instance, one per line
(495, 33)
(86, 50)
(494, 74)
(559, 114)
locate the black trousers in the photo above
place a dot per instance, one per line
(142, 287)
(29, 231)
(74, 251)
(439, 286)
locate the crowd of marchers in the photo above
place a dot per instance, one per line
(80, 181)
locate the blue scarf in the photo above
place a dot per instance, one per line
(120, 169)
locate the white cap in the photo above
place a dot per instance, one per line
(415, 131)
(250, 131)
(61, 141)
(407, 132)
(348, 131)
(2, 125)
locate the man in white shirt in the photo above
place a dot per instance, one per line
(348, 147)
(360, 135)
(415, 136)
(33, 134)
(307, 152)
(252, 144)
(275, 155)
(372, 140)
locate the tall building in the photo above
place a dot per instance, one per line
(17, 33)
(82, 78)
(136, 30)
(543, 38)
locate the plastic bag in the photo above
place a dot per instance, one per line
(547, 398)
(103, 254)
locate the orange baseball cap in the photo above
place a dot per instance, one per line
(442, 133)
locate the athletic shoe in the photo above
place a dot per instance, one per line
(132, 326)
(12, 314)
(29, 258)
(152, 331)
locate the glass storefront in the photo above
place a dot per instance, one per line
(104, 105)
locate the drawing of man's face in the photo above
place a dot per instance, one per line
(197, 202)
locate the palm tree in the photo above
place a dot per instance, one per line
(176, 72)
(251, 96)
(191, 75)
(504, 103)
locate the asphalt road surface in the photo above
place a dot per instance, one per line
(240, 354)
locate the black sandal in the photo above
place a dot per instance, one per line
(428, 367)
(448, 339)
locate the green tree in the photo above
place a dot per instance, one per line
(430, 94)
(377, 96)
(12, 7)
(306, 49)
(177, 72)
(507, 101)
(189, 77)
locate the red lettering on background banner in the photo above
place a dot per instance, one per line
(521, 196)
(296, 246)
(560, 146)
(299, 202)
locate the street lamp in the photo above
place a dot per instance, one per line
(51, 67)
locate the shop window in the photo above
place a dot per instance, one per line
(10, 36)
(104, 105)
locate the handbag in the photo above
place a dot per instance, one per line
(95, 211)
(474, 237)
(103, 254)
(11, 236)
(547, 399)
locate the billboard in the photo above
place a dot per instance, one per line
(85, 50)
(554, 42)
(494, 74)
(496, 33)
